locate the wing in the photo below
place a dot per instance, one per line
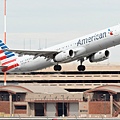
(36, 53)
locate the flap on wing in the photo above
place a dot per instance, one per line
(44, 53)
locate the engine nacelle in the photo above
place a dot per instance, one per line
(64, 56)
(99, 56)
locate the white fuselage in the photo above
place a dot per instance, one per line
(91, 43)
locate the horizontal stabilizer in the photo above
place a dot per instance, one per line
(2, 67)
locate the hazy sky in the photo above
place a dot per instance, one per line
(46, 22)
(59, 15)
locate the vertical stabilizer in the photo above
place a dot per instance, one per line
(7, 58)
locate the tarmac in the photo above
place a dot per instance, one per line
(65, 118)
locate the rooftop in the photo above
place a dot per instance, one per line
(113, 89)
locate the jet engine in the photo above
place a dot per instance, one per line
(62, 56)
(99, 56)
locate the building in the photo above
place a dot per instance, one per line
(93, 77)
(68, 93)
(55, 101)
(38, 101)
(106, 98)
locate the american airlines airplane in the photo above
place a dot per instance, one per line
(93, 47)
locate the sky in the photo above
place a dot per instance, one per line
(37, 24)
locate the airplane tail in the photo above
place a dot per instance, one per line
(8, 59)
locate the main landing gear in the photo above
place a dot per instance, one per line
(57, 67)
(81, 67)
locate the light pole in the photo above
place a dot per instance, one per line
(104, 104)
(63, 104)
(5, 35)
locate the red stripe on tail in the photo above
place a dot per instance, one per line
(10, 67)
(3, 57)
(1, 51)
(8, 62)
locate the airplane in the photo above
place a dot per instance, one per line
(93, 47)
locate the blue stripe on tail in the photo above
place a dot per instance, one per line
(8, 56)
(7, 53)
(1, 44)
(4, 47)
(0, 41)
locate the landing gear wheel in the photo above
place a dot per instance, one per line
(81, 68)
(57, 67)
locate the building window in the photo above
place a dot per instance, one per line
(16, 97)
(20, 107)
(83, 110)
(4, 97)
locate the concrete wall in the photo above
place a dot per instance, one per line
(28, 109)
(73, 109)
(32, 109)
(55, 96)
(83, 109)
(51, 109)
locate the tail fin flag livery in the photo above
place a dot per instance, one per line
(92, 47)
(8, 59)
